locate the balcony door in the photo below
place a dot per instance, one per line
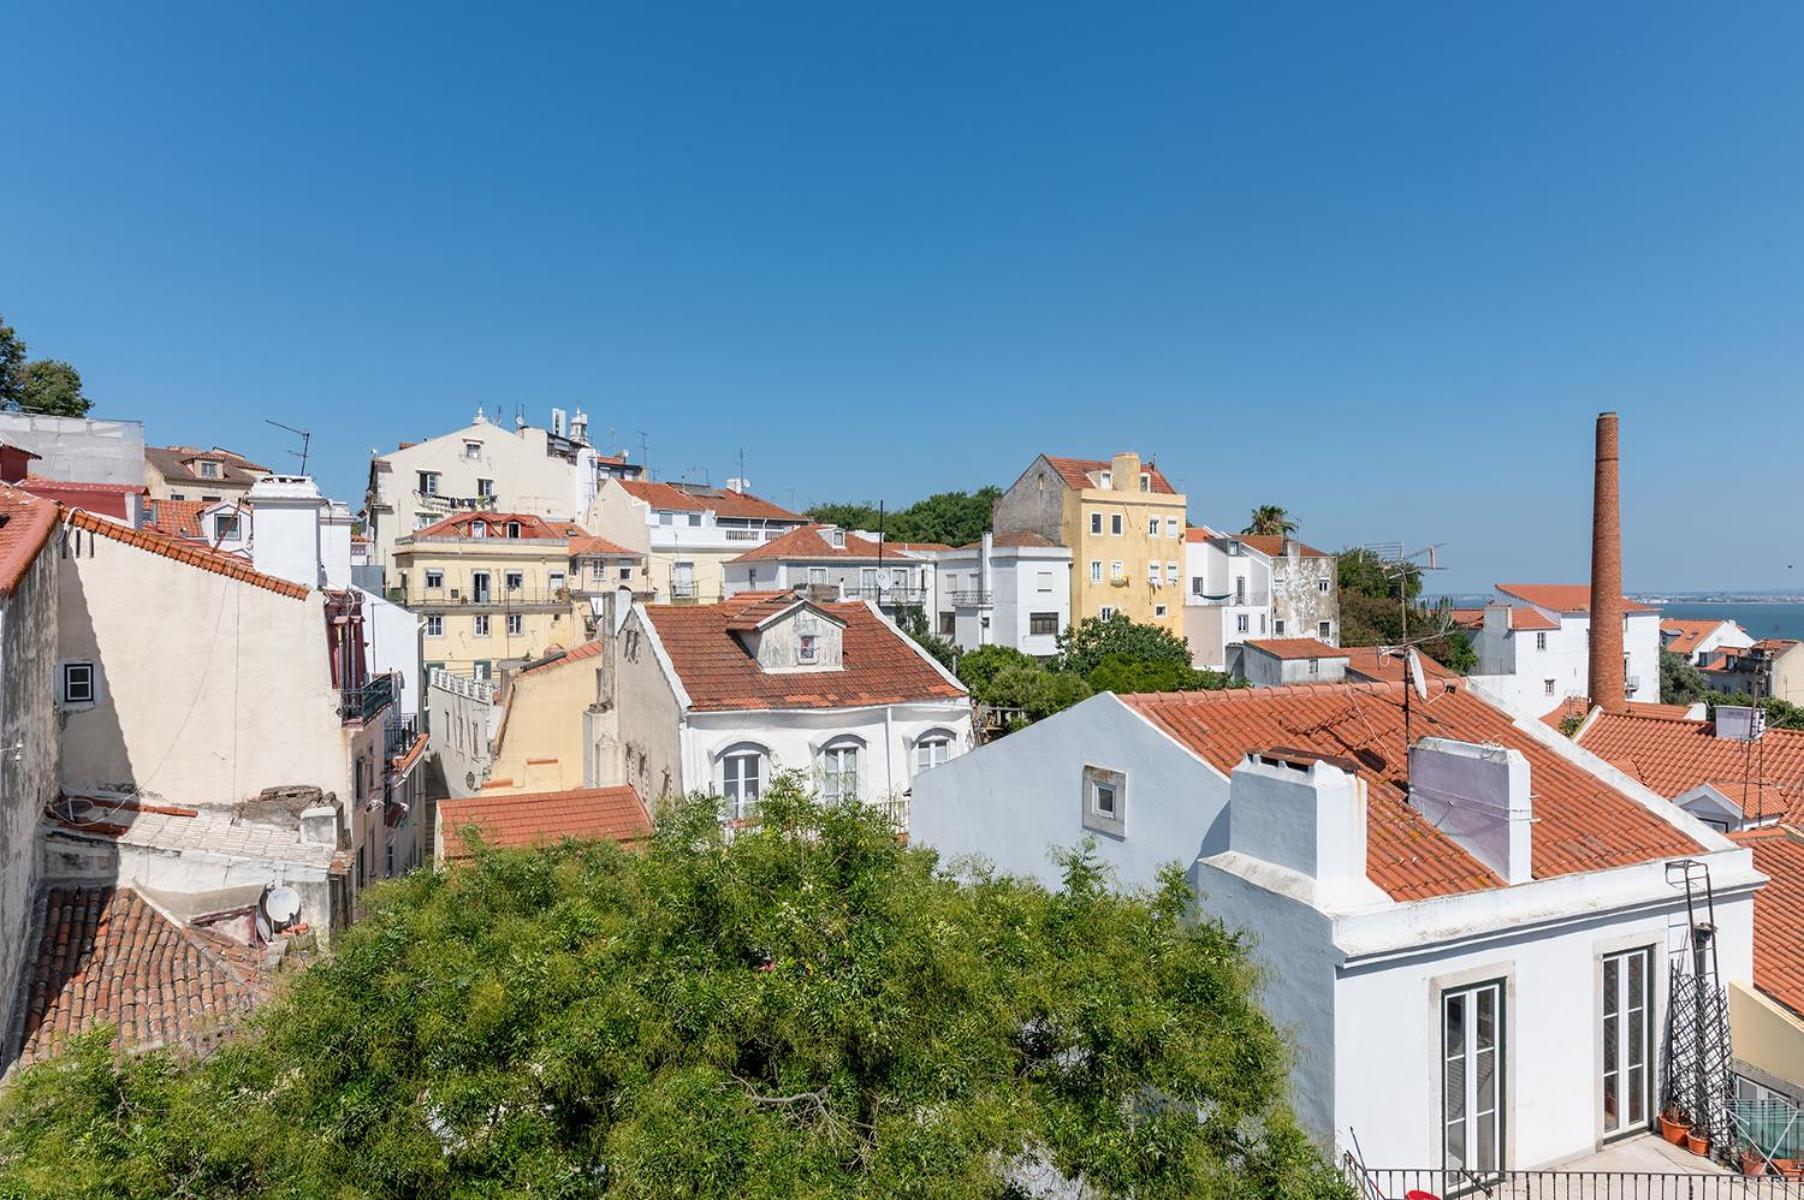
(1627, 1042)
(1472, 1079)
(481, 591)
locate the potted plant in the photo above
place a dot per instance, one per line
(1697, 1140)
(1752, 1161)
(1673, 1124)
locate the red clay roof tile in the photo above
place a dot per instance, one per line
(720, 501)
(1582, 823)
(544, 818)
(1080, 473)
(25, 526)
(186, 552)
(1563, 597)
(1778, 913)
(1296, 648)
(1672, 755)
(810, 542)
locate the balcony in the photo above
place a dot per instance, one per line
(451, 504)
(358, 706)
(498, 599)
(970, 598)
(1231, 600)
(887, 594)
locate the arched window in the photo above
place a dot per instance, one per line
(840, 762)
(932, 748)
(741, 773)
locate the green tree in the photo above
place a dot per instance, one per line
(1361, 572)
(40, 385)
(1083, 647)
(1270, 520)
(1680, 682)
(913, 622)
(954, 518)
(1123, 675)
(846, 516)
(808, 1010)
(1037, 692)
(978, 668)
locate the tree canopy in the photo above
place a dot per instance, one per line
(1372, 612)
(37, 385)
(954, 518)
(1270, 520)
(809, 1009)
(1083, 647)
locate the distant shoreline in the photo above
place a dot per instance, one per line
(1657, 598)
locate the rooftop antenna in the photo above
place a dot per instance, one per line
(644, 454)
(1396, 562)
(306, 439)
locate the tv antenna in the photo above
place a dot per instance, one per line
(1398, 563)
(644, 454)
(306, 439)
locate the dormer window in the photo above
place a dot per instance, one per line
(1103, 480)
(209, 469)
(836, 538)
(479, 529)
(513, 529)
(1146, 482)
(225, 527)
(808, 647)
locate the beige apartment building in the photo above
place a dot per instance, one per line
(687, 532)
(489, 587)
(191, 473)
(1124, 523)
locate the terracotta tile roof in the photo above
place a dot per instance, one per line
(1778, 913)
(694, 498)
(880, 665)
(1672, 755)
(1570, 707)
(25, 526)
(1582, 823)
(1521, 618)
(1272, 545)
(573, 655)
(1296, 648)
(587, 545)
(544, 818)
(890, 544)
(1564, 597)
(1199, 533)
(494, 523)
(104, 955)
(1775, 645)
(1080, 473)
(809, 543)
(172, 463)
(1372, 663)
(185, 552)
(1018, 537)
(1685, 635)
(179, 518)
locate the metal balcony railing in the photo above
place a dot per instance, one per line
(1383, 1184)
(884, 593)
(969, 597)
(432, 599)
(357, 706)
(1231, 600)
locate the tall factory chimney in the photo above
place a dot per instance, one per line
(1607, 673)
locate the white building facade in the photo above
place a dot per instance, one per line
(1533, 643)
(1009, 589)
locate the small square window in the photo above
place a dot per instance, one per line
(485, 488)
(1158, 610)
(1106, 613)
(626, 571)
(515, 580)
(209, 469)
(428, 483)
(1278, 626)
(1105, 801)
(435, 579)
(77, 683)
(1323, 586)
(473, 450)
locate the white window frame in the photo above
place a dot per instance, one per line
(516, 625)
(1105, 800)
(1243, 623)
(1115, 524)
(473, 451)
(428, 482)
(1096, 523)
(479, 625)
(1106, 612)
(209, 469)
(1171, 527)
(732, 781)
(81, 697)
(1096, 570)
(435, 579)
(1541, 639)
(435, 625)
(1152, 527)
(933, 749)
(840, 764)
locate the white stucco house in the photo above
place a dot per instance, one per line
(686, 532)
(1243, 587)
(1695, 641)
(1452, 927)
(1006, 589)
(721, 697)
(1533, 643)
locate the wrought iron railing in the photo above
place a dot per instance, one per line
(430, 599)
(359, 705)
(884, 593)
(1418, 1184)
(969, 597)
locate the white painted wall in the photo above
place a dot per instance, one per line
(463, 721)
(794, 739)
(1213, 627)
(1023, 580)
(391, 642)
(1517, 665)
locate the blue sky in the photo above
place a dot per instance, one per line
(1378, 263)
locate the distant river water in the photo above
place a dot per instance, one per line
(1760, 620)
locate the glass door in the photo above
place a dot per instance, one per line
(1627, 1036)
(1472, 1082)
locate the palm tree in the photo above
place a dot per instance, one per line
(1270, 520)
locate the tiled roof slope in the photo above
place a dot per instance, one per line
(1296, 648)
(1673, 755)
(1078, 472)
(178, 518)
(1377, 666)
(186, 552)
(880, 665)
(106, 956)
(1778, 913)
(1273, 545)
(1687, 634)
(1582, 823)
(575, 654)
(1563, 597)
(585, 545)
(1520, 619)
(722, 502)
(810, 542)
(171, 462)
(543, 818)
(25, 525)
(494, 524)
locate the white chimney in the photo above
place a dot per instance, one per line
(557, 422)
(737, 484)
(579, 427)
(1308, 816)
(1479, 797)
(285, 528)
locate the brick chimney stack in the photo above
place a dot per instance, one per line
(1608, 688)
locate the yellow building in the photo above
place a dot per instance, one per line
(490, 588)
(1125, 525)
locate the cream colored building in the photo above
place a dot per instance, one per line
(191, 473)
(1124, 523)
(687, 532)
(490, 588)
(485, 467)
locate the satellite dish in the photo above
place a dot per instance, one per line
(1417, 679)
(282, 903)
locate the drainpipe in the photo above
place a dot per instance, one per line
(889, 748)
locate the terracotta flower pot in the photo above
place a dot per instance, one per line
(1752, 1163)
(1673, 1128)
(1697, 1143)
